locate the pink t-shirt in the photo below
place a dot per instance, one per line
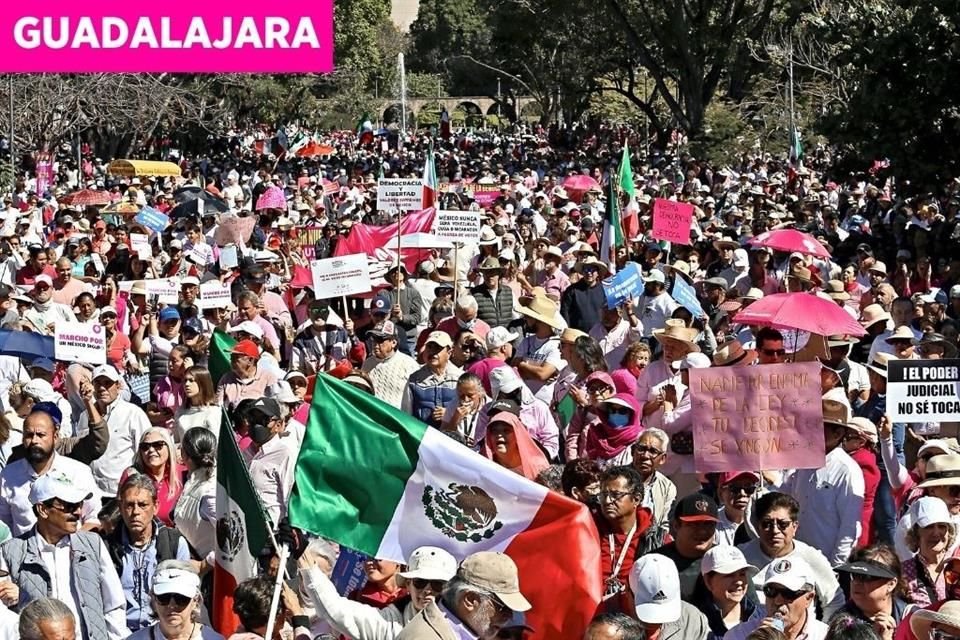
(483, 368)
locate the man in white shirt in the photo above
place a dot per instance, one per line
(45, 313)
(615, 333)
(655, 306)
(40, 431)
(831, 498)
(272, 464)
(538, 359)
(126, 423)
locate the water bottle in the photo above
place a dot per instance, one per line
(778, 622)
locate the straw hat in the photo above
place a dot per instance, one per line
(801, 273)
(923, 619)
(942, 470)
(591, 261)
(865, 427)
(835, 412)
(835, 290)
(680, 266)
(949, 349)
(872, 314)
(879, 363)
(139, 287)
(677, 331)
(569, 336)
(725, 243)
(731, 353)
(542, 309)
(878, 267)
(841, 341)
(488, 236)
(753, 294)
(583, 247)
(489, 264)
(900, 333)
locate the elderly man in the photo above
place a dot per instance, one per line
(464, 319)
(46, 619)
(40, 434)
(494, 298)
(462, 413)
(56, 559)
(476, 603)
(65, 287)
(434, 384)
(245, 379)
(44, 313)
(614, 626)
(138, 544)
(389, 370)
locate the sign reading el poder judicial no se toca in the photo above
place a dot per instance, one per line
(923, 390)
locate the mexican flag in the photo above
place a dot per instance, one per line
(612, 230)
(364, 130)
(630, 216)
(242, 531)
(430, 183)
(381, 482)
(219, 361)
(796, 147)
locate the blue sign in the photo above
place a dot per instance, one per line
(348, 574)
(152, 219)
(625, 284)
(686, 296)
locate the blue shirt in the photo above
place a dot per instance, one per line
(136, 578)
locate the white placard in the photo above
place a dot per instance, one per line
(139, 242)
(399, 194)
(201, 254)
(921, 391)
(167, 289)
(80, 342)
(228, 257)
(457, 226)
(343, 276)
(214, 294)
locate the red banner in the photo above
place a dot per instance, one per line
(380, 243)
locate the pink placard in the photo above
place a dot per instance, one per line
(283, 36)
(671, 221)
(757, 417)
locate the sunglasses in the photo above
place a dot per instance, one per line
(645, 450)
(179, 600)
(774, 352)
(156, 446)
(772, 591)
(747, 490)
(66, 507)
(435, 585)
(768, 525)
(859, 577)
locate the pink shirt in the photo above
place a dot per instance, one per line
(231, 390)
(451, 328)
(483, 368)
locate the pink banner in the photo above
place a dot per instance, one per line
(44, 172)
(380, 243)
(757, 417)
(283, 36)
(484, 194)
(672, 220)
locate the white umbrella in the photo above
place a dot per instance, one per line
(422, 240)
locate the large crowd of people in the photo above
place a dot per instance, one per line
(108, 492)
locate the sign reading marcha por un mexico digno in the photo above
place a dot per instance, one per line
(281, 36)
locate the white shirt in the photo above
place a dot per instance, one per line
(126, 423)
(615, 342)
(831, 501)
(271, 471)
(880, 344)
(9, 624)
(539, 352)
(18, 477)
(654, 312)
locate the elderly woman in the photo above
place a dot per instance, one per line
(176, 601)
(428, 570)
(930, 538)
(508, 444)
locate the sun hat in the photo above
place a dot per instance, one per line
(900, 333)
(497, 573)
(732, 352)
(870, 568)
(865, 427)
(430, 563)
(942, 471)
(543, 310)
(499, 336)
(879, 363)
(923, 619)
(928, 510)
(676, 330)
(693, 360)
(655, 584)
(943, 445)
(835, 412)
(836, 290)
(591, 261)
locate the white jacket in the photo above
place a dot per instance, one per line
(354, 619)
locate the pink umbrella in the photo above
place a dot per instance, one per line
(801, 311)
(790, 241)
(577, 185)
(272, 198)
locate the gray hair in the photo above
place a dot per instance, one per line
(324, 548)
(141, 482)
(660, 435)
(467, 302)
(457, 587)
(42, 610)
(249, 296)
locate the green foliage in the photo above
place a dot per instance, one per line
(357, 32)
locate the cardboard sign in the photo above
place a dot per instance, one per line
(80, 342)
(343, 276)
(140, 245)
(686, 296)
(759, 417)
(234, 230)
(626, 283)
(457, 226)
(229, 257)
(167, 290)
(923, 390)
(399, 194)
(152, 219)
(672, 220)
(214, 295)
(483, 194)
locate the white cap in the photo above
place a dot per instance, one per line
(504, 380)
(57, 484)
(695, 360)
(106, 371)
(740, 258)
(499, 336)
(725, 559)
(656, 276)
(928, 510)
(793, 573)
(430, 563)
(282, 392)
(41, 390)
(190, 280)
(181, 581)
(248, 326)
(656, 589)
(955, 291)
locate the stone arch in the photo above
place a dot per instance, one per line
(428, 113)
(504, 109)
(392, 114)
(472, 113)
(531, 110)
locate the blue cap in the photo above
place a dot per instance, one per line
(43, 363)
(941, 297)
(49, 408)
(381, 304)
(193, 324)
(169, 313)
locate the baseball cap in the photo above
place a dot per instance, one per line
(43, 278)
(696, 507)
(268, 407)
(955, 291)
(169, 313)
(249, 327)
(45, 363)
(180, 581)
(725, 559)
(106, 371)
(108, 311)
(385, 329)
(49, 408)
(504, 405)
(193, 325)
(380, 304)
(440, 338)
(730, 476)
(505, 380)
(247, 348)
(793, 573)
(656, 589)
(497, 573)
(499, 336)
(740, 258)
(39, 389)
(655, 276)
(189, 280)
(57, 484)
(430, 563)
(929, 510)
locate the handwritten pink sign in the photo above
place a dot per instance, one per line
(282, 36)
(757, 417)
(672, 220)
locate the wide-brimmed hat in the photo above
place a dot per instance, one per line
(949, 349)
(590, 261)
(878, 267)
(488, 236)
(900, 333)
(879, 363)
(836, 290)
(542, 309)
(872, 314)
(725, 243)
(731, 353)
(923, 619)
(676, 330)
(801, 273)
(841, 340)
(752, 294)
(680, 266)
(942, 470)
(835, 412)
(490, 264)
(865, 427)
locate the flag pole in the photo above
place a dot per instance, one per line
(399, 256)
(272, 620)
(456, 273)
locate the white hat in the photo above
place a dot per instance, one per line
(725, 559)
(740, 258)
(180, 581)
(656, 589)
(282, 392)
(865, 427)
(504, 380)
(928, 510)
(57, 484)
(41, 390)
(793, 573)
(189, 280)
(499, 336)
(488, 236)
(107, 371)
(656, 276)
(247, 326)
(430, 563)
(694, 360)
(508, 254)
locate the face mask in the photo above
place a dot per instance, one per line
(260, 433)
(618, 420)
(466, 324)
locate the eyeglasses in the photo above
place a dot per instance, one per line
(66, 507)
(500, 607)
(612, 496)
(651, 452)
(772, 591)
(774, 352)
(156, 446)
(940, 634)
(436, 585)
(768, 525)
(179, 600)
(747, 490)
(316, 312)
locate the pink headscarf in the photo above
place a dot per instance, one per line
(605, 442)
(531, 458)
(624, 381)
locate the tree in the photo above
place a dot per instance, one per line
(358, 32)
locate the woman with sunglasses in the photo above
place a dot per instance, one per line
(156, 457)
(877, 593)
(428, 570)
(176, 602)
(930, 538)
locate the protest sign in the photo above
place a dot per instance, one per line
(80, 342)
(761, 417)
(229, 258)
(342, 276)
(152, 219)
(672, 220)
(307, 238)
(140, 245)
(686, 296)
(483, 194)
(234, 230)
(457, 226)
(167, 290)
(626, 283)
(399, 194)
(214, 294)
(200, 254)
(923, 390)
(348, 574)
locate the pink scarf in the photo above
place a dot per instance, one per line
(605, 442)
